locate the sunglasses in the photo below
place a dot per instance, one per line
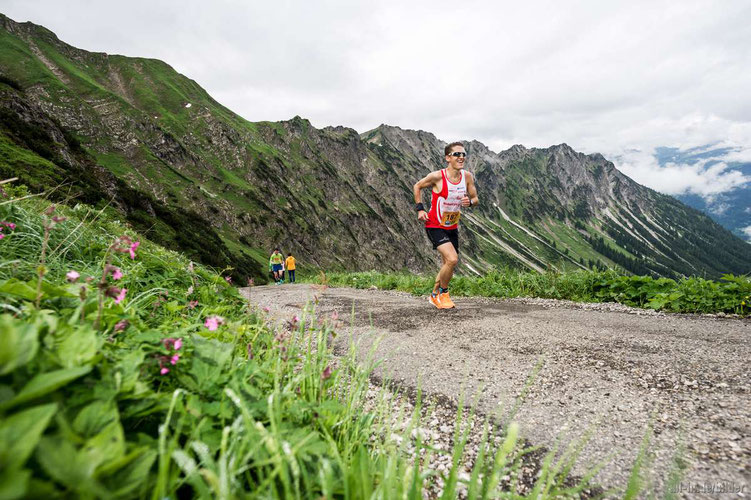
(458, 154)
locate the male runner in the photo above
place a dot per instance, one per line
(452, 188)
(277, 266)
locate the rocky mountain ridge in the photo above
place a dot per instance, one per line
(336, 198)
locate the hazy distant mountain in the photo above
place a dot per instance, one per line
(197, 177)
(731, 209)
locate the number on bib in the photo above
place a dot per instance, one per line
(450, 218)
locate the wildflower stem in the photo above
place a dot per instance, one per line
(41, 270)
(100, 290)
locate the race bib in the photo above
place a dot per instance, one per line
(450, 218)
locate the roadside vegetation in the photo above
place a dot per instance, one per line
(730, 295)
(127, 371)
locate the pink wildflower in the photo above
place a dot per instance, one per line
(72, 276)
(164, 371)
(228, 279)
(173, 343)
(174, 359)
(117, 273)
(292, 324)
(2, 236)
(266, 309)
(122, 244)
(192, 304)
(50, 210)
(121, 295)
(58, 218)
(132, 249)
(213, 322)
(326, 373)
(251, 282)
(9, 225)
(335, 315)
(122, 325)
(112, 292)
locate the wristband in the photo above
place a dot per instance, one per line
(418, 207)
(470, 202)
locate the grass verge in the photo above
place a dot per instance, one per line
(730, 295)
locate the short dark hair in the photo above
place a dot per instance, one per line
(451, 146)
(289, 254)
(277, 250)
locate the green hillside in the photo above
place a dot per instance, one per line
(134, 133)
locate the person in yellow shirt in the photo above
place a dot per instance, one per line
(289, 263)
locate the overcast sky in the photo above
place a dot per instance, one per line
(619, 78)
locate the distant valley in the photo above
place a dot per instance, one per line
(731, 209)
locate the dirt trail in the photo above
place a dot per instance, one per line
(604, 367)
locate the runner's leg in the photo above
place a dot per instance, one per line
(450, 260)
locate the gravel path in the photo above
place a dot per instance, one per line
(602, 367)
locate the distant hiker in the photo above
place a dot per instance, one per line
(277, 266)
(452, 189)
(289, 263)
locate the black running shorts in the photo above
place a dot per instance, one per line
(439, 236)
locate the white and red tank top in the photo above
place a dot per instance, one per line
(446, 206)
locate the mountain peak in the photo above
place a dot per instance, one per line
(562, 147)
(28, 28)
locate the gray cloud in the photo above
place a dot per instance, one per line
(620, 79)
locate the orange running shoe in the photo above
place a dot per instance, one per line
(433, 299)
(445, 300)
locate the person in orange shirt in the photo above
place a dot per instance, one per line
(289, 263)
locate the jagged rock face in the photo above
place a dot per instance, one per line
(335, 198)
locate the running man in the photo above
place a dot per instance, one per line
(289, 263)
(277, 266)
(452, 189)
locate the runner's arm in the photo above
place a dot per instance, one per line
(472, 198)
(429, 181)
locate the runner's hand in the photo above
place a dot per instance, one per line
(465, 201)
(422, 215)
